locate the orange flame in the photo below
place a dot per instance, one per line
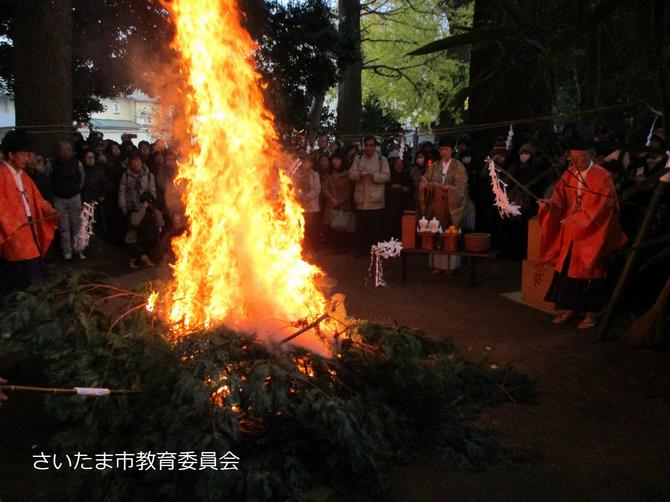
(241, 262)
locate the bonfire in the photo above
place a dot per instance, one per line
(240, 263)
(241, 355)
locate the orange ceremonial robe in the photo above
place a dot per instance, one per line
(16, 241)
(590, 225)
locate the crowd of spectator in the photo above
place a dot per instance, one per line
(132, 187)
(353, 197)
(378, 181)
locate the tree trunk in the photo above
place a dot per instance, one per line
(593, 71)
(349, 95)
(661, 26)
(314, 120)
(507, 79)
(42, 38)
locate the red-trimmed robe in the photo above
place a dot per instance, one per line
(16, 241)
(592, 227)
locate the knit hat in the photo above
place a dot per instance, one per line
(527, 148)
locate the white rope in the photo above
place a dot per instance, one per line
(505, 207)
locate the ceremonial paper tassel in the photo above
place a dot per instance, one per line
(651, 131)
(294, 168)
(386, 249)
(86, 220)
(402, 147)
(505, 207)
(92, 391)
(510, 135)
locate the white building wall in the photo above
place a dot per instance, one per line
(7, 111)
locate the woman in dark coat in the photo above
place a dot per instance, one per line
(399, 197)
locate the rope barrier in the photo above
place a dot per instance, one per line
(501, 124)
(45, 128)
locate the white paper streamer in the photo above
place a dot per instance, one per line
(92, 391)
(651, 130)
(293, 168)
(86, 220)
(510, 135)
(505, 207)
(386, 249)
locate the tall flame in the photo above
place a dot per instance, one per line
(241, 261)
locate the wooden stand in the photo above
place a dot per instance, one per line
(536, 276)
(472, 259)
(409, 229)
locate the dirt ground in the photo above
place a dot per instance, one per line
(599, 430)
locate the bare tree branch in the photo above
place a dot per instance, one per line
(396, 74)
(388, 41)
(368, 66)
(385, 14)
(426, 12)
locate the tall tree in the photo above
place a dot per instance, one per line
(530, 58)
(61, 57)
(298, 46)
(350, 95)
(417, 89)
(116, 46)
(42, 70)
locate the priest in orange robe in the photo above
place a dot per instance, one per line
(580, 229)
(27, 221)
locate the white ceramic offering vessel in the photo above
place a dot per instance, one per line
(423, 224)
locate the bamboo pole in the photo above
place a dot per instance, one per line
(661, 189)
(73, 390)
(523, 187)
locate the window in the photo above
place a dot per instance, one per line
(115, 107)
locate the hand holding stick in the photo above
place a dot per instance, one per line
(3, 396)
(38, 220)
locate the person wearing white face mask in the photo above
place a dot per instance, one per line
(514, 231)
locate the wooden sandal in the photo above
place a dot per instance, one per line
(587, 323)
(563, 317)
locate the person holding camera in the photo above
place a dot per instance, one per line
(134, 182)
(148, 222)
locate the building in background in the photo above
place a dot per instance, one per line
(133, 114)
(7, 113)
